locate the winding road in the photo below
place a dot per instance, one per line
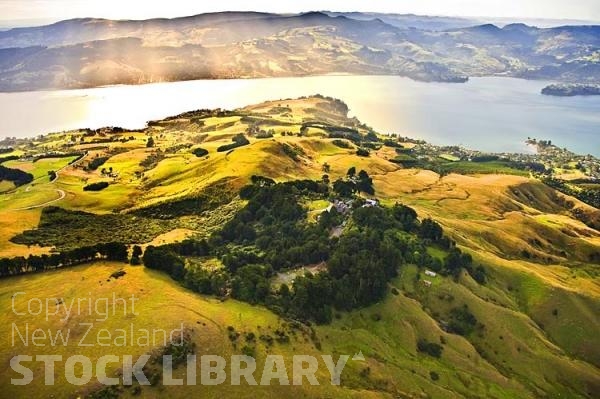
(61, 193)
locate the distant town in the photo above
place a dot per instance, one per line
(546, 158)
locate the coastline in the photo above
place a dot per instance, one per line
(390, 104)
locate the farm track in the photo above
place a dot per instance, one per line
(61, 196)
(61, 193)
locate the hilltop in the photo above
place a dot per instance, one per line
(510, 312)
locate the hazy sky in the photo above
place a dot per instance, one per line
(140, 9)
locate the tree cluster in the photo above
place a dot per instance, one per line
(342, 143)
(589, 196)
(96, 163)
(17, 176)
(363, 152)
(271, 233)
(431, 348)
(239, 140)
(354, 183)
(166, 260)
(461, 321)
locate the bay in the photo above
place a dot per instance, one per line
(494, 114)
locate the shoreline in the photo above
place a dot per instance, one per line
(104, 106)
(247, 78)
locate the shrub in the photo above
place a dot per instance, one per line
(118, 274)
(96, 186)
(478, 274)
(200, 152)
(341, 143)
(363, 152)
(462, 321)
(135, 255)
(152, 160)
(430, 348)
(66, 229)
(248, 351)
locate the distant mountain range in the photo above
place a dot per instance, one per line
(90, 52)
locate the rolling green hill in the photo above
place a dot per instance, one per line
(520, 321)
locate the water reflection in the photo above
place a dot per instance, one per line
(495, 114)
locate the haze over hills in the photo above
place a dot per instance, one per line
(90, 52)
(430, 22)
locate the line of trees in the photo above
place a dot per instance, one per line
(113, 251)
(8, 158)
(238, 140)
(98, 186)
(76, 154)
(96, 163)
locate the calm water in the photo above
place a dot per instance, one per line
(493, 114)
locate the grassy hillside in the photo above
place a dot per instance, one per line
(511, 357)
(536, 331)
(161, 305)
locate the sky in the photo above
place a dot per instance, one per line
(54, 10)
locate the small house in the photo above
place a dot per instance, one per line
(370, 203)
(342, 207)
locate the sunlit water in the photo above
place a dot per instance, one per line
(492, 114)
